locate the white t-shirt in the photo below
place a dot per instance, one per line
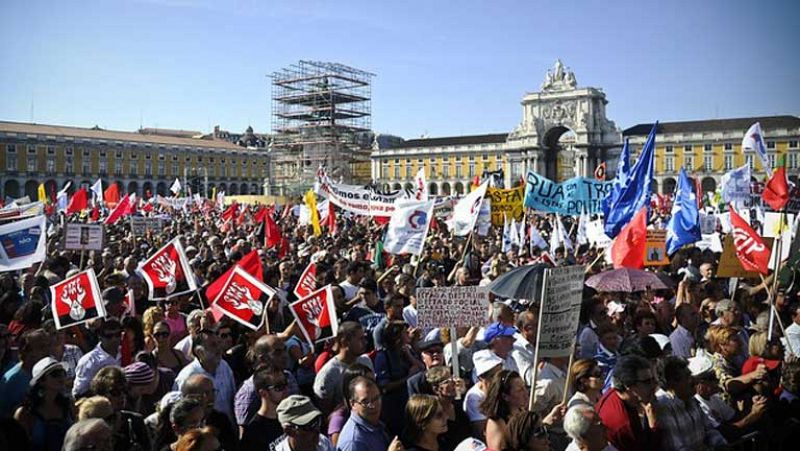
(472, 402)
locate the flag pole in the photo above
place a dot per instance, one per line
(568, 380)
(775, 314)
(535, 366)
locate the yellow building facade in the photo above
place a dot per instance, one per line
(31, 154)
(707, 149)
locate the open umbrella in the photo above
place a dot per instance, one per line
(524, 282)
(626, 280)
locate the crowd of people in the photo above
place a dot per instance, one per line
(692, 367)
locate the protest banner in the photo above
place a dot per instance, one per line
(708, 223)
(23, 243)
(76, 300)
(573, 197)
(656, 248)
(452, 306)
(167, 272)
(316, 315)
(83, 237)
(408, 227)
(307, 282)
(244, 299)
(506, 203)
(358, 199)
(729, 264)
(443, 207)
(140, 225)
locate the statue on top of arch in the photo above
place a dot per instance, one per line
(559, 78)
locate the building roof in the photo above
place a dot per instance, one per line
(767, 123)
(496, 138)
(169, 132)
(111, 135)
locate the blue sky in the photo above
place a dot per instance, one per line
(443, 67)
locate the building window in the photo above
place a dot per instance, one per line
(148, 166)
(792, 160)
(485, 157)
(446, 171)
(708, 162)
(707, 148)
(118, 167)
(728, 147)
(728, 162)
(103, 162)
(119, 157)
(770, 144)
(224, 167)
(458, 172)
(11, 158)
(385, 172)
(51, 161)
(68, 161)
(688, 162)
(162, 171)
(458, 158)
(31, 166)
(687, 148)
(175, 167)
(408, 169)
(396, 172)
(748, 158)
(793, 144)
(669, 164)
(668, 149)
(771, 160)
(471, 169)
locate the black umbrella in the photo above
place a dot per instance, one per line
(524, 282)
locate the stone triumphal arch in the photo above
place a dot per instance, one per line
(564, 130)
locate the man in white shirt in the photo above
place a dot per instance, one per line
(682, 338)
(525, 343)
(355, 272)
(106, 353)
(487, 364)
(208, 361)
(793, 331)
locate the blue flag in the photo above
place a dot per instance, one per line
(620, 179)
(684, 226)
(635, 194)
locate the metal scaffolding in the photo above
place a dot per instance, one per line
(320, 112)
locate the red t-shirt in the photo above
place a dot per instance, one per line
(624, 428)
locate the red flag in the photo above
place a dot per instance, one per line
(126, 207)
(244, 298)
(78, 202)
(283, 251)
(750, 248)
(698, 189)
(629, 246)
(776, 192)
(167, 272)
(230, 212)
(76, 300)
(258, 217)
(476, 181)
(111, 195)
(287, 208)
(95, 214)
(316, 315)
(308, 281)
(249, 263)
(331, 219)
(272, 233)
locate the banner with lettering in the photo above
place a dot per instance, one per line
(572, 197)
(506, 203)
(360, 200)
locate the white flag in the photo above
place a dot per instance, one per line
(536, 239)
(582, 238)
(420, 187)
(176, 186)
(754, 140)
(559, 237)
(484, 221)
(736, 185)
(408, 227)
(62, 198)
(97, 190)
(466, 211)
(508, 240)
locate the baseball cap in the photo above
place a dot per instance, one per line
(297, 410)
(484, 361)
(43, 367)
(427, 344)
(498, 329)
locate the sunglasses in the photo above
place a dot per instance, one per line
(161, 334)
(278, 387)
(369, 404)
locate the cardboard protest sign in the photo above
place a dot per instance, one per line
(506, 203)
(656, 248)
(316, 315)
(23, 243)
(560, 311)
(729, 264)
(708, 223)
(84, 237)
(710, 241)
(452, 306)
(167, 272)
(140, 225)
(575, 196)
(76, 300)
(244, 299)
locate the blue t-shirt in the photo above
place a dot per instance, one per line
(13, 387)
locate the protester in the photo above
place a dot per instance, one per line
(583, 426)
(46, 414)
(328, 383)
(587, 380)
(92, 434)
(506, 395)
(167, 356)
(426, 421)
(107, 352)
(264, 428)
(34, 345)
(301, 422)
(364, 430)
